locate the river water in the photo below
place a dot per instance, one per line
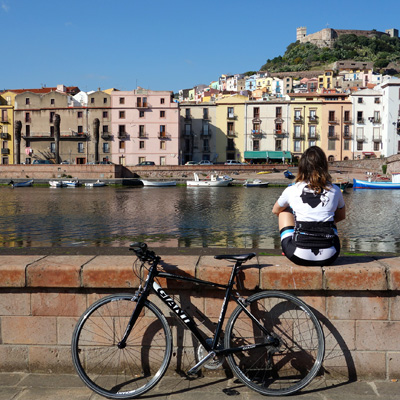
(179, 217)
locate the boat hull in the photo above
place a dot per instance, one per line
(359, 184)
(221, 183)
(158, 183)
(22, 184)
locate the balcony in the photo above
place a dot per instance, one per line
(4, 135)
(143, 104)
(360, 121)
(122, 135)
(347, 135)
(377, 139)
(313, 119)
(313, 136)
(4, 120)
(205, 134)
(5, 151)
(257, 133)
(143, 135)
(188, 117)
(231, 116)
(41, 137)
(333, 136)
(298, 119)
(360, 138)
(206, 117)
(348, 121)
(299, 137)
(106, 136)
(232, 134)
(164, 136)
(333, 121)
(73, 136)
(279, 133)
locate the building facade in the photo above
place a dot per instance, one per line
(145, 127)
(7, 128)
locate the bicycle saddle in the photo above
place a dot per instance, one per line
(238, 257)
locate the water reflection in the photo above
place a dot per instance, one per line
(180, 217)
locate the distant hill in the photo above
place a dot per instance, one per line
(383, 51)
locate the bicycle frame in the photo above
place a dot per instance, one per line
(187, 320)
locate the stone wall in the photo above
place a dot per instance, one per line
(357, 301)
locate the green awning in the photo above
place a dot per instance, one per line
(271, 155)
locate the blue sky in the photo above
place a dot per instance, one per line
(161, 44)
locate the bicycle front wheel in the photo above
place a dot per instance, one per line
(297, 354)
(121, 373)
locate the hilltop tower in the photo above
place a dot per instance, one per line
(301, 32)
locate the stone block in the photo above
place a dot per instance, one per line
(377, 336)
(393, 271)
(370, 365)
(281, 274)
(58, 304)
(56, 271)
(110, 272)
(12, 269)
(51, 359)
(184, 266)
(14, 303)
(29, 330)
(355, 273)
(393, 365)
(14, 358)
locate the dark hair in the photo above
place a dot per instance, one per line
(313, 169)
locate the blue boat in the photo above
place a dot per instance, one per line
(288, 175)
(359, 184)
(21, 184)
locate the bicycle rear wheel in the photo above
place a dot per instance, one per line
(121, 373)
(297, 356)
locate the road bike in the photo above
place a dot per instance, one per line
(122, 344)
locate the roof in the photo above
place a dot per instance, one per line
(43, 90)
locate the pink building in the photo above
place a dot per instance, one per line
(145, 127)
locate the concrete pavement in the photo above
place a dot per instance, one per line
(22, 386)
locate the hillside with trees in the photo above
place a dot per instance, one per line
(383, 51)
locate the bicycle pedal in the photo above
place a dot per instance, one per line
(195, 369)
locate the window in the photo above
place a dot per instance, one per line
(104, 100)
(297, 115)
(331, 131)
(121, 145)
(162, 114)
(360, 118)
(80, 114)
(141, 131)
(297, 131)
(312, 143)
(52, 147)
(142, 159)
(278, 128)
(121, 129)
(4, 117)
(188, 128)
(256, 112)
(360, 100)
(205, 128)
(52, 113)
(141, 114)
(141, 144)
(206, 145)
(92, 100)
(297, 145)
(377, 117)
(122, 100)
(230, 144)
(163, 161)
(105, 128)
(144, 101)
(346, 145)
(27, 131)
(205, 113)
(346, 130)
(106, 147)
(80, 147)
(256, 145)
(347, 116)
(312, 132)
(52, 102)
(313, 115)
(27, 100)
(162, 100)
(256, 127)
(51, 130)
(231, 112)
(231, 128)
(80, 129)
(331, 116)
(187, 113)
(376, 146)
(359, 146)
(121, 114)
(377, 100)
(162, 130)
(105, 114)
(331, 144)
(278, 145)
(27, 117)
(163, 144)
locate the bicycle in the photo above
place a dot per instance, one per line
(122, 344)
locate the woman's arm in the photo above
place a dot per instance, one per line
(277, 209)
(340, 214)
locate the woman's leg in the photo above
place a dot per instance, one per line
(286, 219)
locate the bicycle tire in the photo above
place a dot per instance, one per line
(289, 366)
(121, 373)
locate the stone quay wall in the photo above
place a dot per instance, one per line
(357, 301)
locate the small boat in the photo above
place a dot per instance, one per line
(71, 183)
(255, 183)
(214, 181)
(56, 184)
(264, 172)
(288, 175)
(158, 183)
(95, 184)
(343, 185)
(359, 184)
(21, 184)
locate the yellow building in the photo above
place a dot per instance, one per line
(230, 122)
(7, 127)
(326, 81)
(306, 112)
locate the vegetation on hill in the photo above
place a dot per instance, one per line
(305, 56)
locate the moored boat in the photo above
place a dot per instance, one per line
(158, 183)
(56, 184)
(359, 184)
(21, 184)
(95, 184)
(255, 183)
(214, 181)
(71, 183)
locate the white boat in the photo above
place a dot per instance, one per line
(158, 183)
(95, 184)
(71, 183)
(56, 184)
(255, 183)
(214, 181)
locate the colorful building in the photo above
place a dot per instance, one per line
(7, 127)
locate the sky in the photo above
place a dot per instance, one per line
(161, 44)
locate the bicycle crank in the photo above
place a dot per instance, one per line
(213, 363)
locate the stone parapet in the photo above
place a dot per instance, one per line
(357, 301)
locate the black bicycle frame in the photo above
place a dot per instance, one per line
(187, 319)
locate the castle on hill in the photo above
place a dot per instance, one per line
(327, 37)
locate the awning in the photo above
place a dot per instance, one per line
(271, 155)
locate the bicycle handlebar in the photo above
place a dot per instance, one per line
(142, 252)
